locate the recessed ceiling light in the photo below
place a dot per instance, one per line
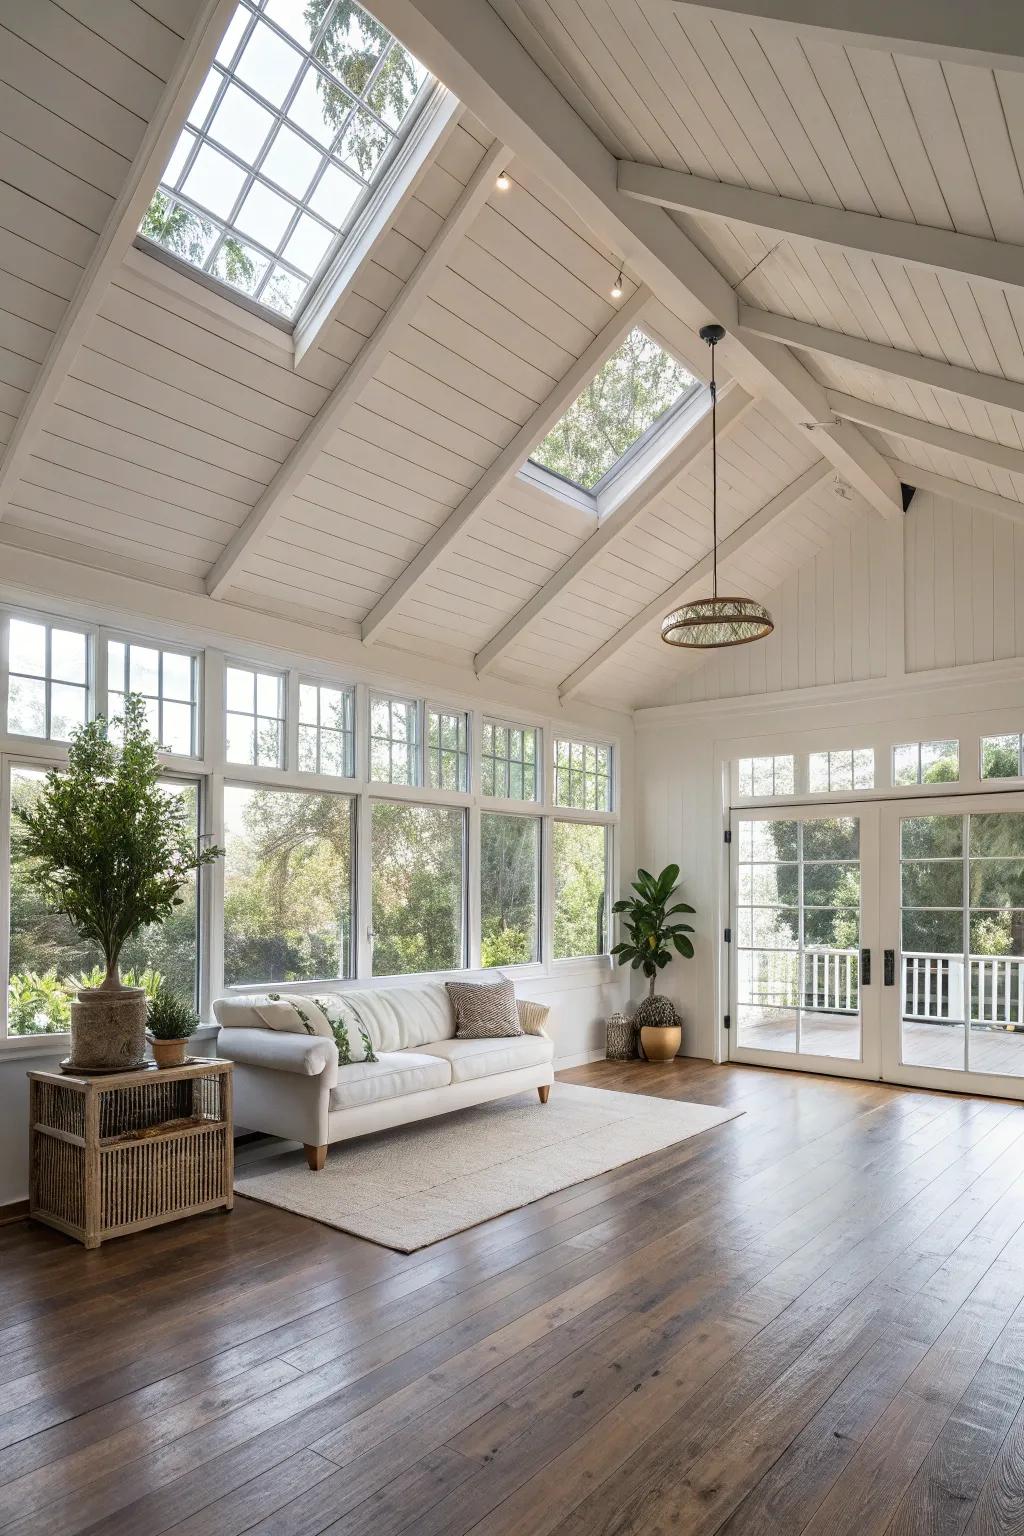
(503, 182)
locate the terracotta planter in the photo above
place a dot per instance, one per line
(661, 1043)
(108, 1030)
(169, 1053)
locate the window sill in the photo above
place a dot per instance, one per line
(24, 1046)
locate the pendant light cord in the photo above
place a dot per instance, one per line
(714, 478)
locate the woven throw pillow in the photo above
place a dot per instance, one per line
(483, 1010)
(532, 1016)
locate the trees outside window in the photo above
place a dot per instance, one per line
(580, 856)
(418, 892)
(509, 889)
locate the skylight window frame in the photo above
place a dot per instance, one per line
(254, 174)
(640, 457)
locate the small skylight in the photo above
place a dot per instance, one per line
(293, 126)
(625, 401)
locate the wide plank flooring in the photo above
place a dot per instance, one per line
(808, 1320)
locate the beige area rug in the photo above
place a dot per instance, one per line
(416, 1184)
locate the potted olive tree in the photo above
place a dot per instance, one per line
(110, 850)
(652, 940)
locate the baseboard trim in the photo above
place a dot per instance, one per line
(581, 1059)
(17, 1210)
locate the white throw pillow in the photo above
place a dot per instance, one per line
(532, 1016)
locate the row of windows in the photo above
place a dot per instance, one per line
(410, 742)
(914, 762)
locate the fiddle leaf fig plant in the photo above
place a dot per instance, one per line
(654, 933)
(109, 848)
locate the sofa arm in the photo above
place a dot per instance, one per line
(306, 1055)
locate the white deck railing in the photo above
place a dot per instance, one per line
(933, 984)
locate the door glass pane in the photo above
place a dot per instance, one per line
(996, 940)
(798, 937)
(932, 938)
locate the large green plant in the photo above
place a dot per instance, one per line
(653, 937)
(110, 849)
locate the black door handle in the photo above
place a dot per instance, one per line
(865, 967)
(889, 967)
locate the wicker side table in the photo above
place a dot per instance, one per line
(120, 1153)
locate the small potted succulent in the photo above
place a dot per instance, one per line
(170, 1020)
(654, 935)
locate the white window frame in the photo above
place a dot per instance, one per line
(530, 811)
(308, 680)
(286, 755)
(917, 747)
(51, 622)
(540, 778)
(391, 697)
(195, 656)
(1009, 778)
(431, 706)
(582, 740)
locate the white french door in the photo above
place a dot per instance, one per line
(803, 992)
(882, 939)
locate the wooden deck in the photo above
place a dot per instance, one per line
(808, 1320)
(924, 1045)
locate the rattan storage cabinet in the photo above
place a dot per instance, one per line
(116, 1154)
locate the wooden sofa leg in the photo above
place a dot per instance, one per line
(543, 1092)
(315, 1157)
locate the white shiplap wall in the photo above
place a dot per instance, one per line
(964, 585)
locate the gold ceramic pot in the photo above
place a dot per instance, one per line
(660, 1043)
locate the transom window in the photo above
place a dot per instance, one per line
(850, 768)
(394, 740)
(326, 733)
(447, 749)
(255, 717)
(168, 682)
(926, 762)
(48, 687)
(625, 401)
(583, 775)
(292, 127)
(765, 775)
(508, 761)
(1001, 757)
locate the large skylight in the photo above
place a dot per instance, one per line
(292, 127)
(638, 385)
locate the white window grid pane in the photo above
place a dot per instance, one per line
(582, 775)
(997, 754)
(447, 749)
(279, 272)
(268, 730)
(394, 740)
(47, 677)
(843, 770)
(509, 758)
(765, 776)
(329, 743)
(119, 677)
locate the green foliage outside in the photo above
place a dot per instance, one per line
(191, 237)
(350, 48)
(652, 938)
(509, 882)
(637, 384)
(416, 888)
(579, 855)
(1000, 757)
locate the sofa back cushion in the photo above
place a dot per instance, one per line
(397, 1018)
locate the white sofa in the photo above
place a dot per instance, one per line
(291, 1085)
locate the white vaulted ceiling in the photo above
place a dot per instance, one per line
(369, 486)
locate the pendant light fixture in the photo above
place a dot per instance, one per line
(711, 623)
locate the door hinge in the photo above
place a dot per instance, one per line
(728, 935)
(728, 1022)
(727, 836)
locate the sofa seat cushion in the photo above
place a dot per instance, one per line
(394, 1075)
(487, 1058)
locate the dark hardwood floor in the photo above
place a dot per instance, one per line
(810, 1319)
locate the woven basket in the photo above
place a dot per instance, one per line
(620, 1039)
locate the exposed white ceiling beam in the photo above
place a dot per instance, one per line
(733, 403)
(430, 133)
(910, 366)
(958, 490)
(691, 582)
(917, 245)
(466, 44)
(989, 33)
(980, 449)
(508, 462)
(290, 475)
(117, 234)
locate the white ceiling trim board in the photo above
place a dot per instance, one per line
(508, 462)
(733, 404)
(989, 33)
(981, 450)
(959, 491)
(678, 592)
(466, 44)
(117, 234)
(918, 245)
(357, 377)
(911, 366)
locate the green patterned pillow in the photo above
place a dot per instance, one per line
(350, 1034)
